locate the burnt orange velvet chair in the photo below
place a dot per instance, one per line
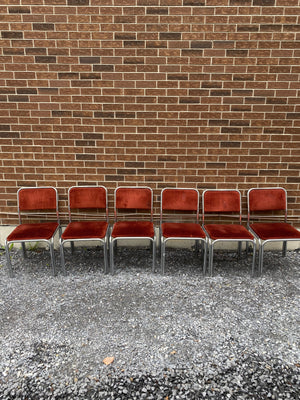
(133, 208)
(224, 203)
(270, 206)
(88, 219)
(179, 219)
(35, 205)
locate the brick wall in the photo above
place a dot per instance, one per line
(185, 93)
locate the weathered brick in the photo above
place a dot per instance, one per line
(149, 92)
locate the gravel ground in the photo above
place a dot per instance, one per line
(177, 336)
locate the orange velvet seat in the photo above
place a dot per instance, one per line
(85, 230)
(34, 232)
(275, 231)
(216, 203)
(137, 200)
(228, 231)
(182, 229)
(132, 229)
(90, 202)
(178, 207)
(38, 204)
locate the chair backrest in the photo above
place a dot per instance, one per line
(87, 197)
(133, 198)
(34, 199)
(221, 201)
(266, 200)
(177, 199)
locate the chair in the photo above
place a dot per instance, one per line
(269, 204)
(224, 203)
(182, 203)
(132, 200)
(34, 205)
(87, 226)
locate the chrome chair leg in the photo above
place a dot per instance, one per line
(204, 253)
(105, 256)
(62, 257)
(23, 249)
(111, 256)
(154, 254)
(253, 259)
(8, 261)
(51, 245)
(284, 247)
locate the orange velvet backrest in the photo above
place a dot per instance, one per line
(221, 201)
(133, 198)
(87, 197)
(180, 199)
(269, 199)
(44, 198)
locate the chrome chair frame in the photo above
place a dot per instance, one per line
(103, 241)
(212, 242)
(163, 241)
(261, 242)
(113, 241)
(50, 242)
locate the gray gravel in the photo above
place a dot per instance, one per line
(178, 336)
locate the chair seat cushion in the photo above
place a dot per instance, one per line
(133, 229)
(228, 231)
(85, 230)
(182, 229)
(275, 230)
(38, 231)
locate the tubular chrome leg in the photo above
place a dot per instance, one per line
(247, 248)
(253, 260)
(204, 251)
(284, 246)
(8, 261)
(197, 246)
(154, 254)
(105, 256)
(261, 258)
(23, 249)
(239, 249)
(51, 245)
(111, 251)
(62, 257)
(211, 256)
(163, 255)
(72, 248)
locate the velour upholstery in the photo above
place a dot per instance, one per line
(275, 230)
(182, 230)
(267, 199)
(85, 230)
(133, 198)
(38, 231)
(87, 197)
(228, 231)
(30, 199)
(133, 229)
(221, 201)
(179, 199)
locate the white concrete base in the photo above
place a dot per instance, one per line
(5, 231)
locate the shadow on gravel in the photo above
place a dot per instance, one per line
(177, 336)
